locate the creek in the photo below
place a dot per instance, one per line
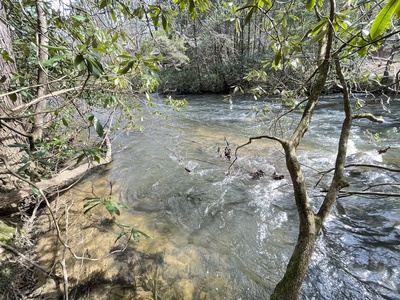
(229, 236)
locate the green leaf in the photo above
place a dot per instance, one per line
(362, 52)
(65, 121)
(249, 15)
(278, 57)
(40, 153)
(5, 55)
(94, 67)
(100, 49)
(90, 118)
(90, 208)
(111, 208)
(80, 158)
(382, 20)
(91, 202)
(79, 62)
(18, 145)
(113, 16)
(142, 233)
(36, 191)
(23, 168)
(13, 97)
(121, 205)
(318, 27)
(46, 163)
(397, 11)
(310, 4)
(121, 235)
(104, 3)
(98, 127)
(150, 65)
(80, 18)
(155, 14)
(97, 157)
(319, 36)
(192, 9)
(164, 23)
(126, 68)
(91, 198)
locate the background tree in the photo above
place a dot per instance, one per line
(8, 101)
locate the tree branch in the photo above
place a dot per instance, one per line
(251, 139)
(380, 194)
(368, 116)
(357, 165)
(53, 94)
(12, 249)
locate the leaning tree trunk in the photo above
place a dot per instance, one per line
(10, 127)
(290, 285)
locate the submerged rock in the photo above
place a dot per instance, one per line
(277, 176)
(257, 174)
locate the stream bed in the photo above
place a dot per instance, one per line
(227, 232)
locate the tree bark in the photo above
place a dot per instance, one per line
(7, 103)
(290, 285)
(43, 41)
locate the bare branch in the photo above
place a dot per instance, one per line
(251, 139)
(12, 249)
(357, 165)
(380, 194)
(60, 92)
(380, 184)
(30, 87)
(368, 116)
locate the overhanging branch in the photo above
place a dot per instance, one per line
(357, 165)
(251, 139)
(368, 116)
(379, 194)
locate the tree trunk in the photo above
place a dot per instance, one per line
(387, 80)
(8, 136)
(290, 285)
(43, 41)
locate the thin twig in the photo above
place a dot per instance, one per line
(251, 139)
(12, 249)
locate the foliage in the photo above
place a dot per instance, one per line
(102, 56)
(131, 232)
(108, 202)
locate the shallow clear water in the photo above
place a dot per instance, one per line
(230, 237)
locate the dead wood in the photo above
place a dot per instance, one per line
(10, 202)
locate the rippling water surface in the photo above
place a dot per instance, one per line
(230, 237)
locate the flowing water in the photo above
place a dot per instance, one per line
(229, 236)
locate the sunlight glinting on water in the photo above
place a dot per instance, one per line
(236, 232)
